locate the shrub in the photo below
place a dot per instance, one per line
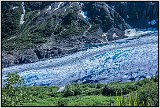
(149, 94)
(77, 91)
(68, 92)
(12, 93)
(62, 102)
(143, 82)
(93, 92)
(108, 91)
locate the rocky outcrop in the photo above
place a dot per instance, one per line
(102, 14)
(114, 34)
(18, 57)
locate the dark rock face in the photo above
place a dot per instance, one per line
(101, 13)
(138, 14)
(7, 59)
(19, 57)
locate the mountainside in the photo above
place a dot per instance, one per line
(138, 14)
(32, 31)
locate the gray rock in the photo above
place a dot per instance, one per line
(119, 34)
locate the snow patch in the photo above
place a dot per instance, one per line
(22, 16)
(15, 7)
(104, 34)
(61, 89)
(114, 35)
(49, 8)
(39, 12)
(130, 32)
(133, 32)
(58, 5)
(11, 38)
(84, 14)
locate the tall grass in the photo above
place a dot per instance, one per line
(129, 100)
(132, 99)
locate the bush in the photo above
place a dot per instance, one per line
(62, 102)
(12, 93)
(108, 91)
(93, 92)
(149, 94)
(68, 92)
(143, 82)
(77, 91)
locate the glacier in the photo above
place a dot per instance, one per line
(124, 60)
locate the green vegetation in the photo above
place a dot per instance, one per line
(10, 19)
(142, 93)
(14, 96)
(38, 28)
(94, 28)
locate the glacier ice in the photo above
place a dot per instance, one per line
(129, 59)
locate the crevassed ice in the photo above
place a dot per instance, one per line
(124, 60)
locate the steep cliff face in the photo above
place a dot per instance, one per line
(138, 14)
(54, 29)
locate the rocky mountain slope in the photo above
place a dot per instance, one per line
(32, 31)
(138, 14)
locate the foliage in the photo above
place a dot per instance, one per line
(67, 20)
(149, 94)
(72, 90)
(94, 28)
(68, 92)
(62, 102)
(108, 91)
(10, 19)
(12, 93)
(31, 6)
